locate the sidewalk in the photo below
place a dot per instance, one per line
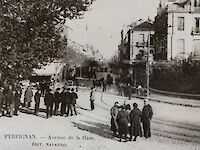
(160, 98)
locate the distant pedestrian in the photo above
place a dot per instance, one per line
(120, 89)
(48, 99)
(74, 97)
(92, 97)
(139, 90)
(129, 92)
(104, 85)
(28, 97)
(37, 101)
(147, 113)
(114, 112)
(135, 119)
(123, 121)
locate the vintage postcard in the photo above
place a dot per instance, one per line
(99, 74)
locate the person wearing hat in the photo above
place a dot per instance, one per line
(92, 97)
(74, 96)
(48, 99)
(28, 97)
(37, 101)
(68, 99)
(147, 113)
(135, 119)
(63, 102)
(57, 97)
(123, 121)
(114, 112)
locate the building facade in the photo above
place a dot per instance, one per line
(177, 32)
(141, 41)
(136, 42)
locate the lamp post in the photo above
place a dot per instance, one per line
(147, 63)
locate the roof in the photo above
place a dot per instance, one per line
(144, 26)
(182, 2)
(48, 70)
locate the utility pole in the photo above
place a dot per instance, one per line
(147, 63)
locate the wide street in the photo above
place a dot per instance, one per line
(173, 127)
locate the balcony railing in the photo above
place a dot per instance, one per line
(140, 44)
(187, 8)
(195, 31)
(179, 9)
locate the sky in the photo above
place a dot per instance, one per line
(100, 27)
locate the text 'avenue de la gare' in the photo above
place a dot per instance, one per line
(49, 137)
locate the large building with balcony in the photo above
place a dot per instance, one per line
(136, 42)
(141, 37)
(177, 30)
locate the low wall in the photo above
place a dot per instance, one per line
(175, 94)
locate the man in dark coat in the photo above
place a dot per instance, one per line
(92, 97)
(63, 102)
(10, 101)
(147, 113)
(37, 102)
(135, 117)
(48, 99)
(68, 99)
(74, 96)
(57, 99)
(114, 112)
(123, 121)
(17, 96)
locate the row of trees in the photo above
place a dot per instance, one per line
(31, 33)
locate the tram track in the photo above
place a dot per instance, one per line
(172, 130)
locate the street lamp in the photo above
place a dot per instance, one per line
(147, 63)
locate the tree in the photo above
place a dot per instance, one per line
(30, 33)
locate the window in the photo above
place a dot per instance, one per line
(196, 3)
(180, 23)
(197, 22)
(181, 46)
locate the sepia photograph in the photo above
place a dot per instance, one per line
(99, 74)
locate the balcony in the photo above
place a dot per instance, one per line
(176, 8)
(140, 44)
(195, 56)
(195, 31)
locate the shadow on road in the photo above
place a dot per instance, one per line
(100, 129)
(30, 111)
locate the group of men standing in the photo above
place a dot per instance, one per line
(124, 121)
(55, 102)
(9, 100)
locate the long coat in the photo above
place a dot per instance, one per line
(28, 94)
(68, 97)
(123, 119)
(114, 113)
(37, 97)
(57, 97)
(74, 96)
(48, 99)
(135, 118)
(147, 113)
